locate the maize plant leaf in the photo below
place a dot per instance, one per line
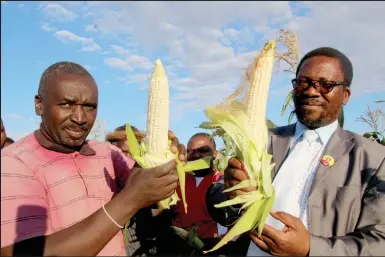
(245, 223)
(266, 175)
(138, 152)
(219, 132)
(291, 116)
(368, 134)
(207, 125)
(250, 196)
(270, 124)
(203, 163)
(257, 165)
(234, 201)
(182, 180)
(287, 102)
(221, 163)
(133, 145)
(183, 234)
(266, 209)
(243, 184)
(245, 206)
(125, 234)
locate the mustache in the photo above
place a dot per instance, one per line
(309, 101)
(73, 126)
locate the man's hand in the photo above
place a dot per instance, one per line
(148, 186)
(234, 174)
(175, 146)
(293, 240)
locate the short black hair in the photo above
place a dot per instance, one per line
(346, 65)
(203, 134)
(65, 67)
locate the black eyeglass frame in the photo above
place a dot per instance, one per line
(319, 85)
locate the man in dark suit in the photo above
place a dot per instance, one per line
(329, 182)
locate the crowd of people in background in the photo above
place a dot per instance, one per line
(62, 194)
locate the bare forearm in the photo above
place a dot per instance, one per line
(85, 238)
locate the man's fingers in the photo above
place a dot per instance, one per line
(182, 152)
(174, 141)
(235, 174)
(168, 179)
(285, 218)
(170, 188)
(258, 242)
(272, 233)
(171, 135)
(235, 163)
(164, 169)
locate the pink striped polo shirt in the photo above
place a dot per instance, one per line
(44, 191)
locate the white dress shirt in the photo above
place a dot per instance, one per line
(295, 177)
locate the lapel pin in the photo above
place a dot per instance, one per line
(327, 160)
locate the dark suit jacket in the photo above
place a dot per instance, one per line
(346, 201)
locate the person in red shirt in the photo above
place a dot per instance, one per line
(197, 217)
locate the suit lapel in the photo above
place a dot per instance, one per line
(280, 143)
(339, 145)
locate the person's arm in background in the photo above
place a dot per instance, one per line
(232, 176)
(224, 216)
(29, 232)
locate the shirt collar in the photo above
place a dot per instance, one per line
(324, 132)
(49, 145)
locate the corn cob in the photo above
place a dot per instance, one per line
(154, 150)
(245, 125)
(256, 101)
(158, 112)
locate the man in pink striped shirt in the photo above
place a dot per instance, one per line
(63, 195)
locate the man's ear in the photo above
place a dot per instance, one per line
(347, 93)
(38, 106)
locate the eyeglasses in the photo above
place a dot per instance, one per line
(321, 86)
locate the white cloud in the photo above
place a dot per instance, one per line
(141, 79)
(89, 44)
(91, 28)
(210, 43)
(346, 29)
(57, 11)
(120, 50)
(47, 27)
(132, 62)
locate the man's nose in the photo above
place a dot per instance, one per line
(78, 115)
(311, 91)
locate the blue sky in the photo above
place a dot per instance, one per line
(204, 46)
